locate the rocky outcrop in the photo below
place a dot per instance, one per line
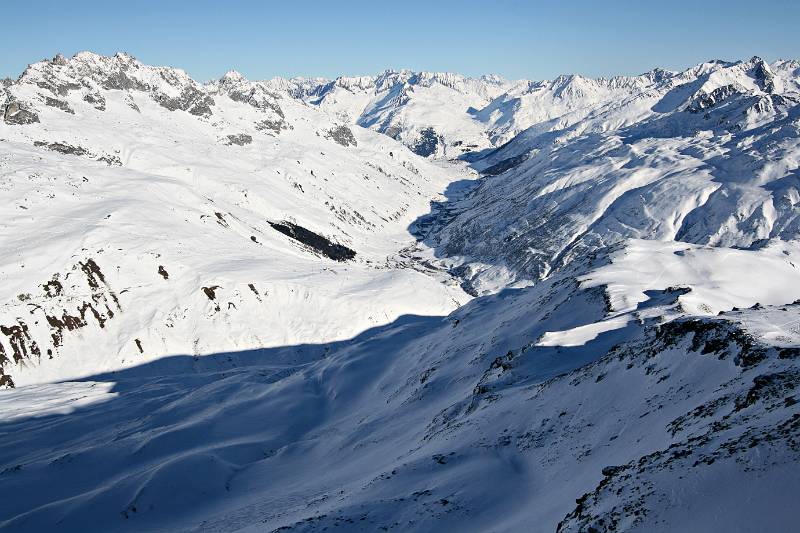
(18, 115)
(315, 241)
(68, 149)
(59, 104)
(427, 143)
(191, 100)
(706, 101)
(97, 100)
(342, 135)
(239, 139)
(54, 315)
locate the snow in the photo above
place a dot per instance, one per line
(600, 334)
(719, 278)
(580, 335)
(183, 200)
(39, 401)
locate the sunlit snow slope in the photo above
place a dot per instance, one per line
(138, 210)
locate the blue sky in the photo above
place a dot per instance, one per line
(516, 39)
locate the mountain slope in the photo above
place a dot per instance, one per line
(711, 158)
(391, 429)
(144, 228)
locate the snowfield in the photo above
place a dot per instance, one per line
(410, 302)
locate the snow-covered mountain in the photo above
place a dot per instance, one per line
(706, 156)
(136, 184)
(433, 113)
(251, 306)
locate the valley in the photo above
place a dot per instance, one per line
(413, 301)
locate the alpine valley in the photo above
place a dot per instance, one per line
(414, 301)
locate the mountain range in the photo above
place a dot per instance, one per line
(413, 301)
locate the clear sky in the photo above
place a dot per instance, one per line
(514, 38)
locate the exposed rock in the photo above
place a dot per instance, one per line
(62, 148)
(60, 89)
(764, 75)
(260, 99)
(132, 104)
(427, 144)
(239, 139)
(97, 100)
(210, 292)
(271, 125)
(58, 104)
(706, 101)
(342, 135)
(110, 160)
(120, 81)
(505, 164)
(394, 132)
(191, 100)
(16, 114)
(321, 244)
(22, 345)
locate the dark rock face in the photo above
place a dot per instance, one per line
(59, 104)
(742, 413)
(264, 101)
(505, 164)
(324, 246)
(120, 81)
(763, 75)
(342, 135)
(62, 89)
(96, 100)
(720, 337)
(62, 148)
(271, 125)
(707, 101)
(59, 60)
(239, 139)
(98, 304)
(110, 160)
(16, 114)
(427, 144)
(191, 100)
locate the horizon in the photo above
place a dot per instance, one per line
(512, 39)
(379, 72)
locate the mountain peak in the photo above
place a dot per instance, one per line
(233, 75)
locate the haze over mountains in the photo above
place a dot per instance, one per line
(409, 301)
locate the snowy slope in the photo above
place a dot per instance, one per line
(149, 234)
(457, 423)
(710, 157)
(629, 360)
